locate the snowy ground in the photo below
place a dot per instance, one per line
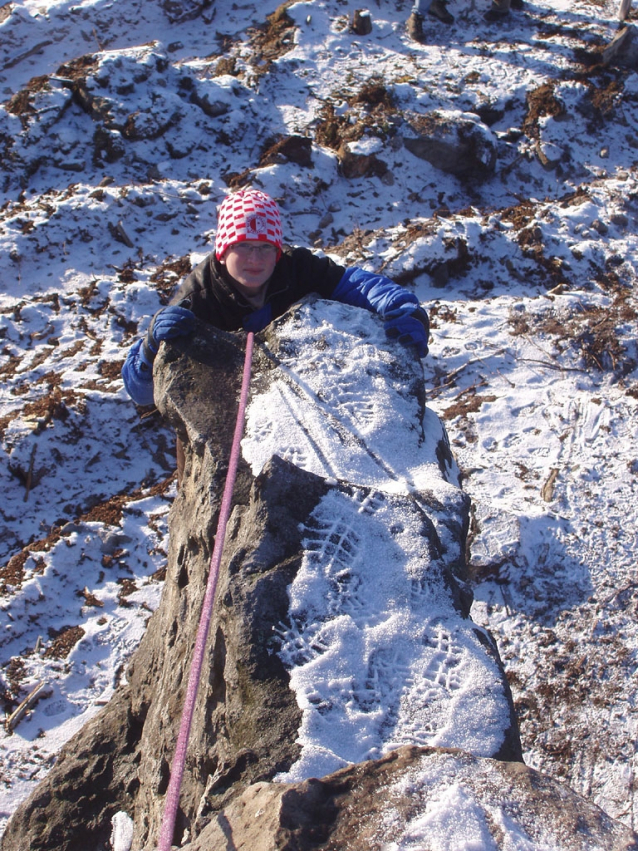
(112, 170)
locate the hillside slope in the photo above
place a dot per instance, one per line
(123, 124)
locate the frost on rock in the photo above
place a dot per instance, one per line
(347, 404)
(378, 647)
(415, 799)
(122, 832)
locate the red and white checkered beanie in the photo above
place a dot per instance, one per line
(248, 214)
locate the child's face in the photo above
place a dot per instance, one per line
(250, 263)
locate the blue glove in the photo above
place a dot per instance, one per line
(168, 323)
(137, 373)
(410, 326)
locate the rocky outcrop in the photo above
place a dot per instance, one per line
(416, 798)
(456, 142)
(622, 50)
(340, 638)
(184, 10)
(245, 726)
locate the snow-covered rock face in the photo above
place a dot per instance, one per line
(341, 630)
(377, 651)
(453, 141)
(378, 654)
(418, 798)
(345, 407)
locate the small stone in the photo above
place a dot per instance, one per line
(362, 22)
(549, 154)
(440, 275)
(326, 220)
(619, 219)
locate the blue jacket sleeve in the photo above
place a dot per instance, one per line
(137, 373)
(403, 316)
(373, 292)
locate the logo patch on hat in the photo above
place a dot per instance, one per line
(256, 224)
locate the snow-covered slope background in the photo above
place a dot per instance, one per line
(122, 126)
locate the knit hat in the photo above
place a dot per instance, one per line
(248, 214)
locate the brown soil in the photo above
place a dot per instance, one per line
(127, 586)
(468, 402)
(540, 103)
(520, 215)
(375, 110)
(15, 672)
(22, 102)
(54, 406)
(169, 274)
(90, 599)
(330, 128)
(593, 332)
(272, 39)
(110, 511)
(441, 312)
(80, 68)
(13, 572)
(63, 642)
(111, 369)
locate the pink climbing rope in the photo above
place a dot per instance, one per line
(179, 759)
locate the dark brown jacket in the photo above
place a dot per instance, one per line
(298, 272)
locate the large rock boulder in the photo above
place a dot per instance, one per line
(416, 798)
(455, 142)
(341, 631)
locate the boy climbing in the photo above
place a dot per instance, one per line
(251, 278)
